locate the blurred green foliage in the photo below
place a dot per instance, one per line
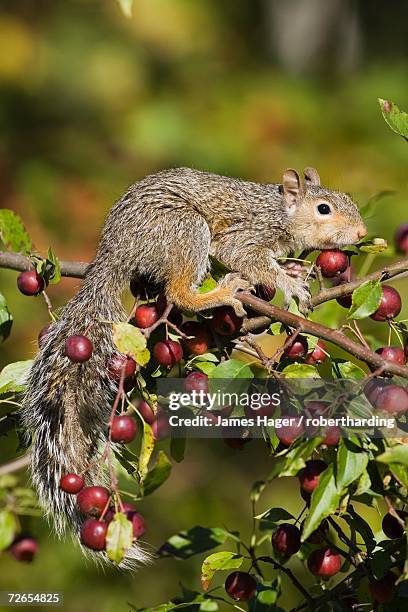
(91, 101)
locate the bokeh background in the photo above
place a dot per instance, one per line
(91, 101)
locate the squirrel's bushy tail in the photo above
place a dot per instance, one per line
(66, 406)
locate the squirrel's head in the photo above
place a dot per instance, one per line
(320, 218)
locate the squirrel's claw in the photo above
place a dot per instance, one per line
(234, 282)
(299, 289)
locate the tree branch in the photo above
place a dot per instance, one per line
(320, 331)
(16, 261)
(14, 466)
(395, 269)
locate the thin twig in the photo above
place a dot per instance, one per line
(16, 465)
(290, 575)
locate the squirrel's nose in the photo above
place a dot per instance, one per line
(361, 232)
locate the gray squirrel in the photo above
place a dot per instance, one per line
(164, 228)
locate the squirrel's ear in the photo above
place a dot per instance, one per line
(312, 176)
(292, 189)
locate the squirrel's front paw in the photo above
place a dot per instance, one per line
(234, 283)
(296, 269)
(298, 289)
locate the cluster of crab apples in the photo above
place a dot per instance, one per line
(325, 559)
(94, 502)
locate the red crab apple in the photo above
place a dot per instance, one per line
(93, 534)
(92, 500)
(392, 527)
(401, 238)
(265, 292)
(297, 349)
(196, 381)
(146, 315)
(332, 263)
(286, 539)
(382, 590)
(161, 426)
(72, 483)
(201, 339)
(24, 548)
(324, 562)
(318, 354)
(240, 586)
(117, 363)
(78, 348)
(123, 429)
(287, 434)
(147, 413)
(310, 475)
(393, 399)
(43, 335)
(395, 354)
(374, 387)
(168, 353)
(345, 300)
(390, 304)
(225, 322)
(30, 282)
(331, 435)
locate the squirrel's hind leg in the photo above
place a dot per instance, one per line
(184, 274)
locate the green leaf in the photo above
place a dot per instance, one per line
(127, 7)
(13, 377)
(352, 461)
(265, 598)
(208, 284)
(365, 300)
(275, 329)
(400, 472)
(300, 370)
(8, 528)
(395, 454)
(296, 459)
(209, 605)
(158, 475)
(368, 209)
(357, 523)
(205, 366)
(206, 357)
(13, 234)
(6, 320)
(256, 490)
(177, 449)
(348, 369)
(223, 560)
(231, 376)
(376, 245)
(145, 452)
(54, 274)
(363, 484)
(396, 119)
(324, 501)
(232, 368)
(119, 537)
(269, 519)
(185, 544)
(130, 341)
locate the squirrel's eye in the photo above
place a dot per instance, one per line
(324, 209)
